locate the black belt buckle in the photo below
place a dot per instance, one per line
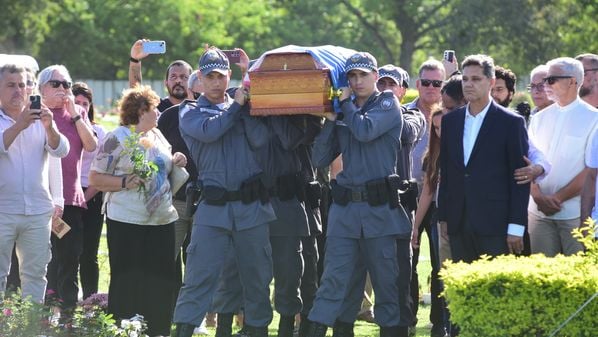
(358, 196)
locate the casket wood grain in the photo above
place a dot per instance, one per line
(289, 84)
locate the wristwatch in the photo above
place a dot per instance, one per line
(76, 118)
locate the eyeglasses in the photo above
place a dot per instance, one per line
(552, 79)
(434, 83)
(55, 84)
(196, 95)
(538, 87)
(586, 71)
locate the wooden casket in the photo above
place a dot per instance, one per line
(289, 84)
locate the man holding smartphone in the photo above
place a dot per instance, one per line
(177, 75)
(26, 138)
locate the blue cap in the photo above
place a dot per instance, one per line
(405, 77)
(361, 61)
(214, 60)
(392, 72)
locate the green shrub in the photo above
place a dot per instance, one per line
(524, 296)
(23, 318)
(410, 95)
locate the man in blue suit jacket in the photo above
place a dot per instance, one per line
(481, 206)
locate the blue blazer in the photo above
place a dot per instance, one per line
(484, 192)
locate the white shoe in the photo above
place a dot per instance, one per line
(202, 329)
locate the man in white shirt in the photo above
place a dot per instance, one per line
(26, 138)
(562, 132)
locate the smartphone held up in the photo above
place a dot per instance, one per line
(154, 47)
(449, 55)
(234, 55)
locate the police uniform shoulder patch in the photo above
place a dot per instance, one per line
(387, 103)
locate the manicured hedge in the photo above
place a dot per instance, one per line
(523, 296)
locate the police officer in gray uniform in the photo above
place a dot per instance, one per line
(366, 216)
(413, 127)
(280, 162)
(234, 211)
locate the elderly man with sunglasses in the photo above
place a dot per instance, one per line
(562, 132)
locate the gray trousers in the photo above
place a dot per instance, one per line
(288, 269)
(206, 256)
(31, 233)
(347, 261)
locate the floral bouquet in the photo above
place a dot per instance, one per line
(136, 148)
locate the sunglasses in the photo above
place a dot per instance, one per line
(434, 83)
(538, 87)
(55, 84)
(586, 71)
(552, 79)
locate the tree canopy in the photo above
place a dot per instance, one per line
(93, 38)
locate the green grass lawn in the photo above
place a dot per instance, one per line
(362, 329)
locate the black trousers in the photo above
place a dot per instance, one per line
(437, 309)
(142, 273)
(93, 221)
(310, 279)
(64, 266)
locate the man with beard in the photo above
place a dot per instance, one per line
(177, 75)
(504, 89)
(589, 88)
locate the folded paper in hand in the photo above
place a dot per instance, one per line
(59, 227)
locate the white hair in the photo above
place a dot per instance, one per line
(570, 67)
(46, 74)
(192, 79)
(542, 68)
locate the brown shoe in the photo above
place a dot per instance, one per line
(367, 316)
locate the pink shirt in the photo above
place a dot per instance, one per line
(71, 164)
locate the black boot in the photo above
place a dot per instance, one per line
(342, 329)
(393, 331)
(286, 325)
(253, 331)
(183, 330)
(317, 330)
(224, 325)
(304, 326)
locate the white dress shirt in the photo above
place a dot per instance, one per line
(562, 133)
(471, 129)
(24, 182)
